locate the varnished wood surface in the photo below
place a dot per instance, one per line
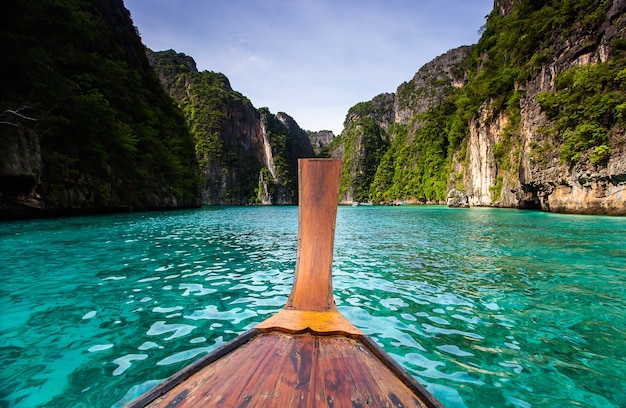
(295, 321)
(319, 189)
(294, 370)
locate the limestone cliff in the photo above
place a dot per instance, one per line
(283, 143)
(84, 124)
(384, 140)
(20, 166)
(320, 140)
(431, 84)
(361, 145)
(246, 155)
(536, 174)
(532, 116)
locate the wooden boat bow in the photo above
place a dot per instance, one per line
(308, 354)
(311, 304)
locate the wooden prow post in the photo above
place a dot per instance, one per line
(318, 198)
(311, 305)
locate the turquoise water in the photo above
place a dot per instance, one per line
(487, 308)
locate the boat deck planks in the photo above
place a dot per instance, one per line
(293, 370)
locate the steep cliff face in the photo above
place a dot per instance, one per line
(230, 152)
(381, 110)
(544, 168)
(299, 142)
(169, 65)
(284, 142)
(390, 148)
(482, 169)
(431, 85)
(296, 145)
(246, 155)
(532, 116)
(361, 145)
(85, 125)
(20, 166)
(320, 140)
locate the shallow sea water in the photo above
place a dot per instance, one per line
(485, 307)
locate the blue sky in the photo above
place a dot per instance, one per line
(312, 59)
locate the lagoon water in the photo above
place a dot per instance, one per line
(485, 307)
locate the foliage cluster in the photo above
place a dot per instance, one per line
(364, 145)
(515, 45)
(223, 123)
(589, 103)
(105, 124)
(416, 166)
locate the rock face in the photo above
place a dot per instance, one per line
(168, 65)
(283, 143)
(430, 85)
(246, 155)
(481, 167)
(84, 124)
(457, 199)
(381, 144)
(230, 165)
(20, 168)
(539, 178)
(494, 121)
(361, 145)
(320, 140)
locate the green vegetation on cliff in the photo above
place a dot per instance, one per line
(110, 137)
(587, 106)
(416, 164)
(407, 162)
(283, 153)
(207, 103)
(228, 133)
(207, 100)
(515, 45)
(364, 144)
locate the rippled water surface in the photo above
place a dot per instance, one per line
(487, 308)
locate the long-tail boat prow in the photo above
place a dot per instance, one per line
(308, 354)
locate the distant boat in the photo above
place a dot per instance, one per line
(355, 204)
(308, 354)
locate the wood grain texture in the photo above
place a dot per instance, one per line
(296, 321)
(285, 370)
(319, 190)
